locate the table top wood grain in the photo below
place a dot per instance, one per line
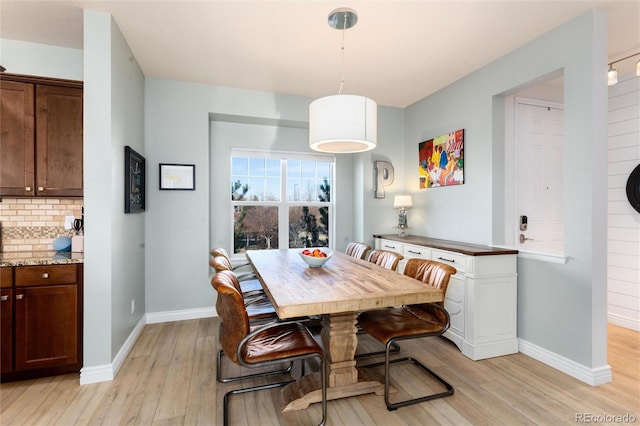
(343, 284)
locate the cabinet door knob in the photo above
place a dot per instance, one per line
(3, 298)
(19, 296)
(28, 189)
(45, 275)
(41, 188)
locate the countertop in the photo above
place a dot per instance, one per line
(24, 258)
(455, 246)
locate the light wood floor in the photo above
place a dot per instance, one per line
(168, 378)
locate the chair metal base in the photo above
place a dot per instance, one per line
(395, 347)
(391, 406)
(225, 409)
(323, 375)
(221, 379)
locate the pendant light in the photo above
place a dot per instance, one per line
(343, 123)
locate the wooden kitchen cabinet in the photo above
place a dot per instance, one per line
(47, 321)
(6, 320)
(42, 137)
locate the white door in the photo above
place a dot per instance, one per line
(539, 173)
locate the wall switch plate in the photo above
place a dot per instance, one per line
(133, 306)
(68, 222)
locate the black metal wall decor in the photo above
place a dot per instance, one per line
(633, 188)
(134, 181)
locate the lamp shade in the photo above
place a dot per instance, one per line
(400, 201)
(343, 124)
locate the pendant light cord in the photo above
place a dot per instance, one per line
(344, 29)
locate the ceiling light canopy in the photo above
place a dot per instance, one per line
(343, 123)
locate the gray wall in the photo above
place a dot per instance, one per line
(198, 124)
(22, 57)
(114, 241)
(568, 299)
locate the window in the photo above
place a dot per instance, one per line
(281, 200)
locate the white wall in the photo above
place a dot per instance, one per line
(623, 245)
(561, 308)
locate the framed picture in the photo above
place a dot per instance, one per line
(134, 181)
(178, 177)
(441, 160)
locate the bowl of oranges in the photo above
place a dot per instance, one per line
(316, 257)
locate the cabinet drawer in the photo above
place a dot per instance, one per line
(46, 275)
(6, 277)
(456, 260)
(391, 245)
(411, 251)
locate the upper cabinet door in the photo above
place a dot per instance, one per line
(17, 152)
(59, 141)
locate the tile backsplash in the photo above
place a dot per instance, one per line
(31, 224)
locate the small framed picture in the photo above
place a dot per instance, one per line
(134, 181)
(178, 177)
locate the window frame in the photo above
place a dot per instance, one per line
(283, 204)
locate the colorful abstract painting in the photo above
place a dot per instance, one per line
(441, 160)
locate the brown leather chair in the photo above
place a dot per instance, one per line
(411, 322)
(385, 258)
(357, 250)
(243, 271)
(241, 268)
(388, 260)
(268, 345)
(259, 310)
(249, 286)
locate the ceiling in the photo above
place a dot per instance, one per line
(399, 51)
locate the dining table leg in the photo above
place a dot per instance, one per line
(340, 341)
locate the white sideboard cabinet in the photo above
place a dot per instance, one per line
(482, 296)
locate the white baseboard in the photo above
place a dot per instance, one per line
(121, 356)
(182, 315)
(591, 376)
(106, 373)
(626, 322)
(100, 373)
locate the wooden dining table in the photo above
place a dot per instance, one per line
(337, 291)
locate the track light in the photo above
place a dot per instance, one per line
(612, 74)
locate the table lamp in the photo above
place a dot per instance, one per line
(402, 202)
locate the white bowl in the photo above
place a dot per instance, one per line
(316, 261)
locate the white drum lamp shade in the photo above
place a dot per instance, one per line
(343, 124)
(402, 201)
